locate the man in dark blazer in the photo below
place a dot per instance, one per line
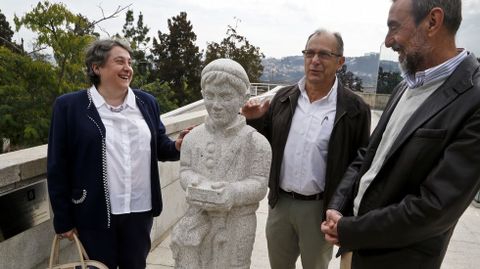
(402, 197)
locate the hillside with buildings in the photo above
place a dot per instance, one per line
(290, 69)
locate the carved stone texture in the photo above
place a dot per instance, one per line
(224, 167)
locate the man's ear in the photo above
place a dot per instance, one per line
(341, 61)
(435, 20)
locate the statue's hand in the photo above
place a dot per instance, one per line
(227, 195)
(218, 185)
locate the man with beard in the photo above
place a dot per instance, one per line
(402, 197)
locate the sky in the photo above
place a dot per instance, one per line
(278, 27)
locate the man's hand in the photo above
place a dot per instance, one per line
(329, 226)
(179, 140)
(253, 109)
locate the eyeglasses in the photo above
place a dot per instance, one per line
(322, 54)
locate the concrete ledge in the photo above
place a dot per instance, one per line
(22, 165)
(177, 123)
(375, 101)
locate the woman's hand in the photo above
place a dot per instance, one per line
(179, 140)
(68, 234)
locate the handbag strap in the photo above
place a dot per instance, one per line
(81, 250)
(54, 253)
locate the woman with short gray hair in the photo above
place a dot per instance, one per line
(103, 148)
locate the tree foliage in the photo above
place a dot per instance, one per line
(66, 34)
(137, 36)
(387, 81)
(236, 47)
(25, 106)
(178, 59)
(6, 32)
(168, 67)
(163, 93)
(349, 80)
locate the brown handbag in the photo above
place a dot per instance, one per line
(84, 263)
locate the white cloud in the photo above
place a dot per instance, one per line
(278, 27)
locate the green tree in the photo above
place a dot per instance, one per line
(6, 35)
(6, 32)
(178, 59)
(29, 82)
(164, 95)
(387, 81)
(238, 48)
(25, 105)
(67, 34)
(349, 80)
(137, 36)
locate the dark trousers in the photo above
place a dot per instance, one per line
(124, 245)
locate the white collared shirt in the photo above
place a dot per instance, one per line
(305, 155)
(439, 72)
(128, 155)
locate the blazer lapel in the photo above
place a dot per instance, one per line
(146, 116)
(387, 113)
(92, 114)
(457, 83)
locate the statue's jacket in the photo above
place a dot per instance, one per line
(238, 155)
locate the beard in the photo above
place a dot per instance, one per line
(413, 57)
(410, 63)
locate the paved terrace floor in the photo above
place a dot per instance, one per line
(463, 252)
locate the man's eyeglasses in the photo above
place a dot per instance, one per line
(322, 54)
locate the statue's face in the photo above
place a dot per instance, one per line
(222, 102)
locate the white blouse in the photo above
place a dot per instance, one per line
(128, 154)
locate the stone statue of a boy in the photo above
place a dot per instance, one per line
(224, 167)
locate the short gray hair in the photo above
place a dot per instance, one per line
(337, 36)
(97, 53)
(226, 71)
(451, 8)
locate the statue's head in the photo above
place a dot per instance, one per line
(224, 90)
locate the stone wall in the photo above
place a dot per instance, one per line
(31, 248)
(375, 101)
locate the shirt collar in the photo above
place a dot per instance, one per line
(330, 97)
(99, 101)
(435, 73)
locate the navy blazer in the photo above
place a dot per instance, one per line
(76, 160)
